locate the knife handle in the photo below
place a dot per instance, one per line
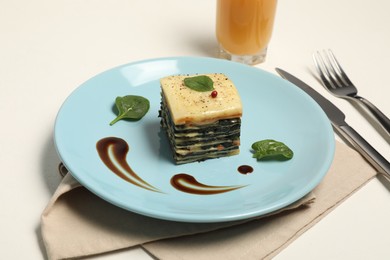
(382, 118)
(366, 150)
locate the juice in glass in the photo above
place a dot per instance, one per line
(244, 29)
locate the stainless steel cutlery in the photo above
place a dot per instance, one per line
(337, 117)
(337, 82)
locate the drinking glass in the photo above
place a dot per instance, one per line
(244, 29)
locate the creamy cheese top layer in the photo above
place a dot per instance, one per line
(188, 106)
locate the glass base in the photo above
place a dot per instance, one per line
(246, 59)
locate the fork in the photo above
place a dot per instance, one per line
(337, 82)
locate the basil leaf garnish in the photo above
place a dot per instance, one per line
(131, 107)
(200, 83)
(271, 149)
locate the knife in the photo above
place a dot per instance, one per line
(337, 118)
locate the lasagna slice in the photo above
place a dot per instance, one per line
(201, 125)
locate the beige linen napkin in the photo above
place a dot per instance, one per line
(76, 223)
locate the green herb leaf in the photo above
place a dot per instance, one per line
(131, 107)
(200, 83)
(271, 149)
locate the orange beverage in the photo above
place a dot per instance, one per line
(244, 28)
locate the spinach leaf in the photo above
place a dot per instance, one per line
(271, 149)
(131, 107)
(200, 83)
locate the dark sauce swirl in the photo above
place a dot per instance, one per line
(112, 152)
(187, 183)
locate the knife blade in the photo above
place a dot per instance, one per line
(337, 118)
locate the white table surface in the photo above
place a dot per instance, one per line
(48, 48)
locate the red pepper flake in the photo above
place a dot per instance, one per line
(214, 94)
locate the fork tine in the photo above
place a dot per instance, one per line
(323, 71)
(333, 70)
(343, 76)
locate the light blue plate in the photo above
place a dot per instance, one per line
(273, 109)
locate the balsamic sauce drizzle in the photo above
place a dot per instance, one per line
(112, 152)
(187, 183)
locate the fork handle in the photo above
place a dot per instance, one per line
(366, 150)
(382, 118)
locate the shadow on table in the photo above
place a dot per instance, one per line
(49, 165)
(50, 177)
(384, 180)
(206, 45)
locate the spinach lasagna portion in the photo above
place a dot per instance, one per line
(199, 125)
